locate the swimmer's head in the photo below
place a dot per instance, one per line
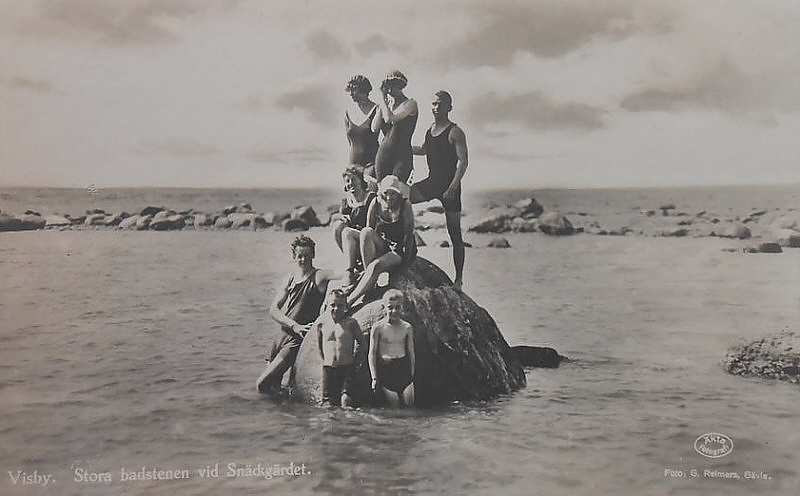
(442, 103)
(394, 79)
(303, 249)
(353, 176)
(337, 303)
(358, 84)
(390, 190)
(392, 302)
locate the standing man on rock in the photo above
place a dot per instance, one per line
(446, 149)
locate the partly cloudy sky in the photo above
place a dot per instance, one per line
(250, 93)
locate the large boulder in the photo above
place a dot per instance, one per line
(556, 224)
(736, 231)
(496, 220)
(773, 357)
(56, 221)
(23, 223)
(167, 223)
(529, 208)
(460, 352)
(307, 215)
(788, 237)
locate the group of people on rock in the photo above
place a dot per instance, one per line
(375, 232)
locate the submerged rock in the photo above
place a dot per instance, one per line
(773, 357)
(460, 352)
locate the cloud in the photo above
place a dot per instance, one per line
(534, 111)
(325, 46)
(315, 99)
(377, 43)
(132, 21)
(38, 86)
(296, 156)
(177, 147)
(251, 103)
(547, 29)
(722, 87)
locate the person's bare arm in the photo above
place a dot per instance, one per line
(410, 350)
(459, 141)
(408, 228)
(287, 324)
(408, 107)
(377, 120)
(372, 214)
(360, 345)
(319, 341)
(372, 357)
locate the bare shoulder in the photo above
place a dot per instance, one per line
(351, 324)
(457, 134)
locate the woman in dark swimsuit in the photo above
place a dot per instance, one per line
(388, 240)
(353, 217)
(358, 124)
(397, 119)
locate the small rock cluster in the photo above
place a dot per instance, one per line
(772, 357)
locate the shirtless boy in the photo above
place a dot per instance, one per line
(341, 347)
(391, 352)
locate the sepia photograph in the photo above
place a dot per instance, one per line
(399, 247)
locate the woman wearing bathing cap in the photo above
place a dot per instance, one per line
(387, 242)
(358, 122)
(397, 118)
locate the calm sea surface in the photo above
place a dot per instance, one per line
(132, 350)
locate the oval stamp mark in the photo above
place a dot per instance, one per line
(713, 445)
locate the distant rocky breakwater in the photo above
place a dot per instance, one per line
(770, 229)
(154, 218)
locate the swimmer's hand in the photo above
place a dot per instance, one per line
(301, 330)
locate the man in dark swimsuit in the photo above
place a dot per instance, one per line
(295, 307)
(446, 149)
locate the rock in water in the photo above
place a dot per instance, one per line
(461, 354)
(538, 356)
(773, 357)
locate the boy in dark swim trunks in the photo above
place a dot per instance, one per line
(341, 347)
(391, 352)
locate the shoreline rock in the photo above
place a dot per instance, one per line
(776, 356)
(765, 227)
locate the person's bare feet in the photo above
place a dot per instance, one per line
(457, 285)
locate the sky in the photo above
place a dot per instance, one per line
(250, 93)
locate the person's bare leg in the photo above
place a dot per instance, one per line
(392, 397)
(369, 242)
(338, 227)
(408, 395)
(351, 245)
(453, 220)
(384, 263)
(274, 371)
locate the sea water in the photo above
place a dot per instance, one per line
(129, 360)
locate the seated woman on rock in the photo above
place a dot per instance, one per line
(353, 211)
(387, 242)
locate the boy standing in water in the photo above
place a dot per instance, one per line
(341, 347)
(391, 352)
